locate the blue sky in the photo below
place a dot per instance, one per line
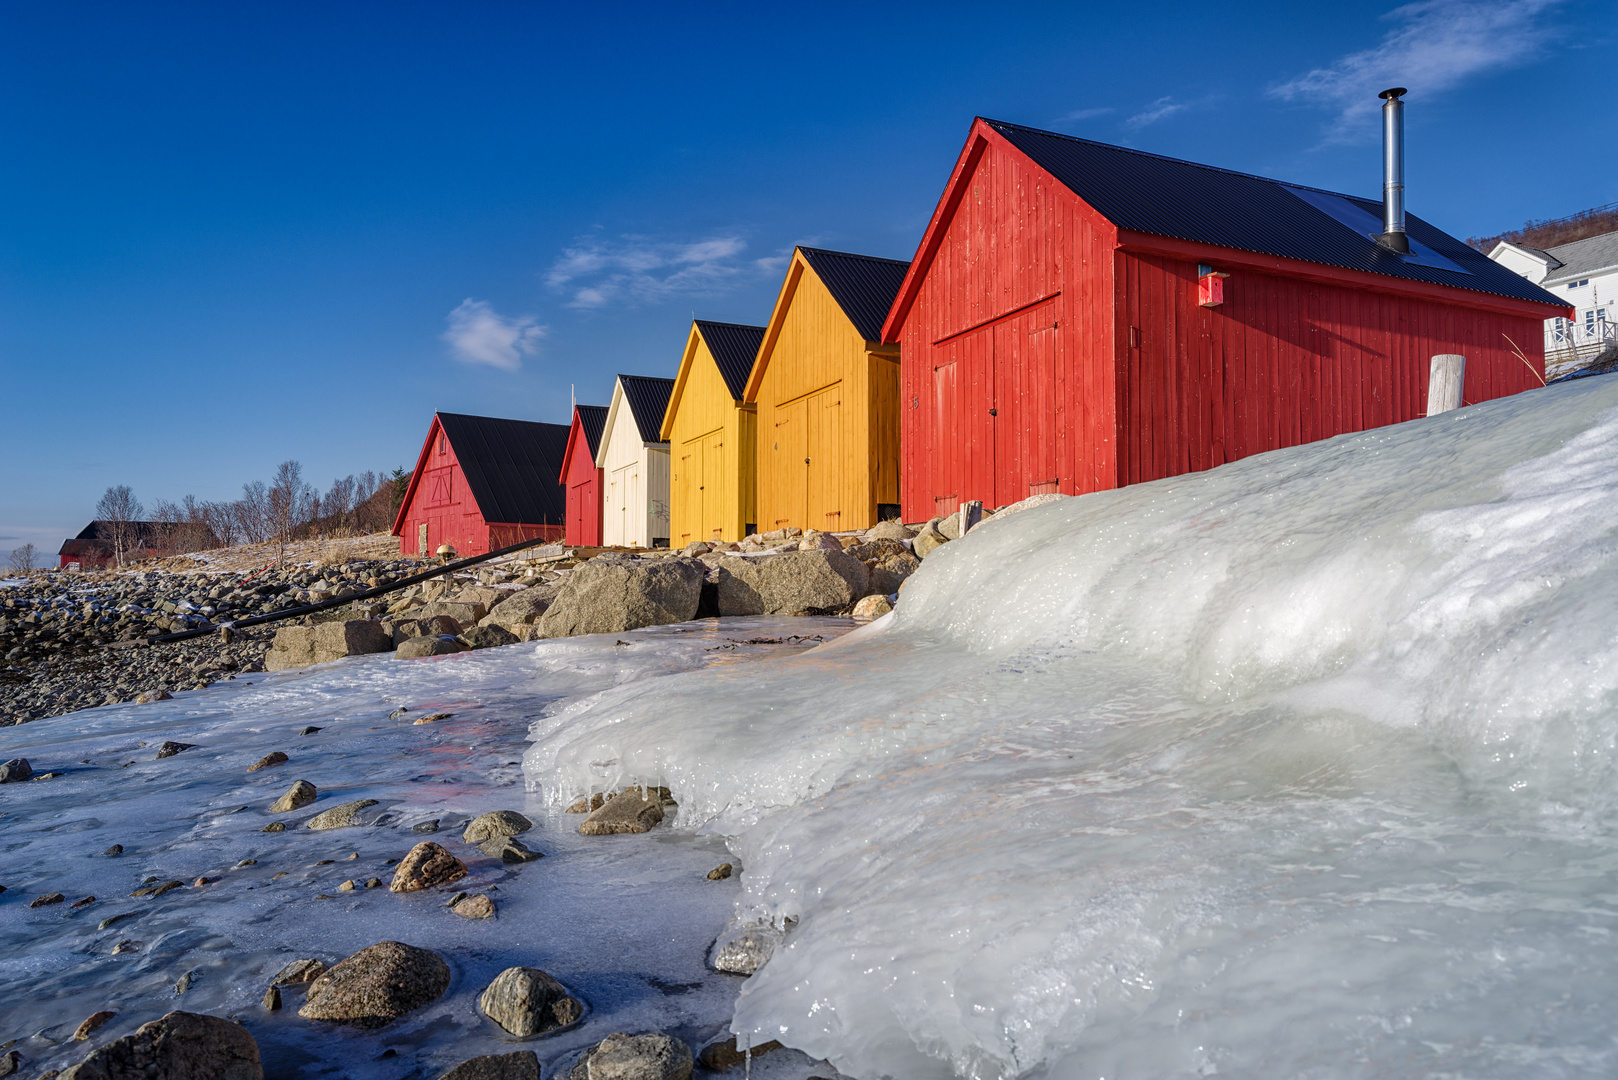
(236, 234)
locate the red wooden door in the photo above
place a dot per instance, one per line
(963, 391)
(947, 390)
(1023, 407)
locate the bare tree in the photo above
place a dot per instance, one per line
(252, 512)
(291, 502)
(120, 510)
(220, 520)
(166, 521)
(24, 558)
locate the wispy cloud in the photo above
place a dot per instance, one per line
(478, 334)
(1160, 109)
(1436, 45)
(1085, 114)
(638, 269)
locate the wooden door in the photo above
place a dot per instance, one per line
(686, 488)
(713, 486)
(947, 388)
(1023, 405)
(788, 475)
(822, 452)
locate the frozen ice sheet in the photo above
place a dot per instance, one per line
(1301, 767)
(625, 921)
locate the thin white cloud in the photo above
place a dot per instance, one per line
(1085, 114)
(636, 269)
(478, 334)
(1160, 109)
(1437, 45)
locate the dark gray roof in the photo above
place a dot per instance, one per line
(1582, 258)
(648, 400)
(512, 467)
(593, 420)
(734, 347)
(863, 285)
(1181, 199)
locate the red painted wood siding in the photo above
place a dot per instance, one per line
(1037, 349)
(1284, 361)
(1013, 315)
(440, 499)
(584, 486)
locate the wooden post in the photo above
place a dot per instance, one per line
(971, 513)
(1445, 383)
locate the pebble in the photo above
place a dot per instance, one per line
(86, 902)
(299, 971)
(427, 864)
(114, 920)
(275, 826)
(493, 824)
(433, 718)
(475, 907)
(155, 891)
(720, 872)
(272, 999)
(268, 761)
(47, 900)
(309, 730)
(91, 1022)
(426, 826)
(339, 817)
(146, 697)
(247, 862)
(372, 883)
(301, 793)
(184, 982)
(116, 849)
(347, 886)
(169, 749)
(128, 945)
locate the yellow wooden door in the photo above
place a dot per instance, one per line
(686, 485)
(714, 502)
(825, 456)
(788, 468)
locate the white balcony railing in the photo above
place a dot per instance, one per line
(1568, 344)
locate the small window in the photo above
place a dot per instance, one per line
(1578, 284)
(442, 445)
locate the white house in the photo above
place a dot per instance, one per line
(1585, 274)
(635, 464)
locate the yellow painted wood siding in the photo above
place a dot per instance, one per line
(828, 418)
(712, 444)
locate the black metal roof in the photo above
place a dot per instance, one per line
(863, 285)
(1167, 197)
(648, 399)
(734, 347)
(592, 420)
(511, 466)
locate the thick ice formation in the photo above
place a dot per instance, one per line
(1302, 767)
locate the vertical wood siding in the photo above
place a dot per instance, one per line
(828, 439)
(583, 480)
(635, 495)
(1013, 315)
(1283, 362)
(711, 454)
(442, 501)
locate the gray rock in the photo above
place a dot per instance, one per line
(340, 817)
(950, 527)
(877, 549)
(719, 1056)
(300, 646)
(474, 907)
(523, 608)
(180, 1046)
(508, 849)
(526, 1001)
(268, 761)
(928, 540)
(800, 582)
(301, 793)
(299, 971)
(425, 826)
(377, 985)
(744, 950)
(16, 771)
(495, 823)
(872, 607)
(1029, 503)
(465, 614)
(12, 1060)
(609, 597)
(889, 530)
(169, 749)
(428, 864)
(437, 626)
(488, 637)
(426, 646)
(891, 572)
(146, 697)
(635, 1057)
(522, 1065)
(625, 812)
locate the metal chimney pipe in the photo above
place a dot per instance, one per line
(1393, 172)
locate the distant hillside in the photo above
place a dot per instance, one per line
(1554, 231)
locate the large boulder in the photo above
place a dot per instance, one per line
(635, 1057)
(487, 637)
(795, 583)
(16, 771)
(1029, 503)
(480, 594)
(890, 573)
(522, 1065)
(377, 985)
(180, 1046)
(519, 611)
(606, 596)
(465, 614)
(889, 530)
(405, 629)
(743, 950)
(495, 823)
(527, 1001)
(626, 812)
(300, 646)
(879, 548)
(416, 647)
(928, 539)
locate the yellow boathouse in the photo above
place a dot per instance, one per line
(827, 394)
(711, 436)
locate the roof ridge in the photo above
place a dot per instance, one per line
(1175, 160)
(853, 255)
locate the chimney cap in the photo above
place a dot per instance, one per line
(1393, 92)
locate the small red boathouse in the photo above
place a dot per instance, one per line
(1082, 316)
(581, 477)
(482, 483)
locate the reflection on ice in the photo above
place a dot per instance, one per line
(1301, 767)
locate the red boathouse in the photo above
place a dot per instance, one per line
(482, 483)
(581, 477)
(1082, 316)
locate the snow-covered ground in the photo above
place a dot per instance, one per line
(1303, 767)
(623, 921)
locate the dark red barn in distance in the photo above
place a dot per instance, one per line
(1082, 316)
(483, 483)
(581, 477)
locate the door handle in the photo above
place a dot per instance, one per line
(806, 461)
(994, 412)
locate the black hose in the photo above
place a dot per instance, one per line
(338, 601)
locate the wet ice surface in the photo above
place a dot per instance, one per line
(1303, 767)
(624, 921)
